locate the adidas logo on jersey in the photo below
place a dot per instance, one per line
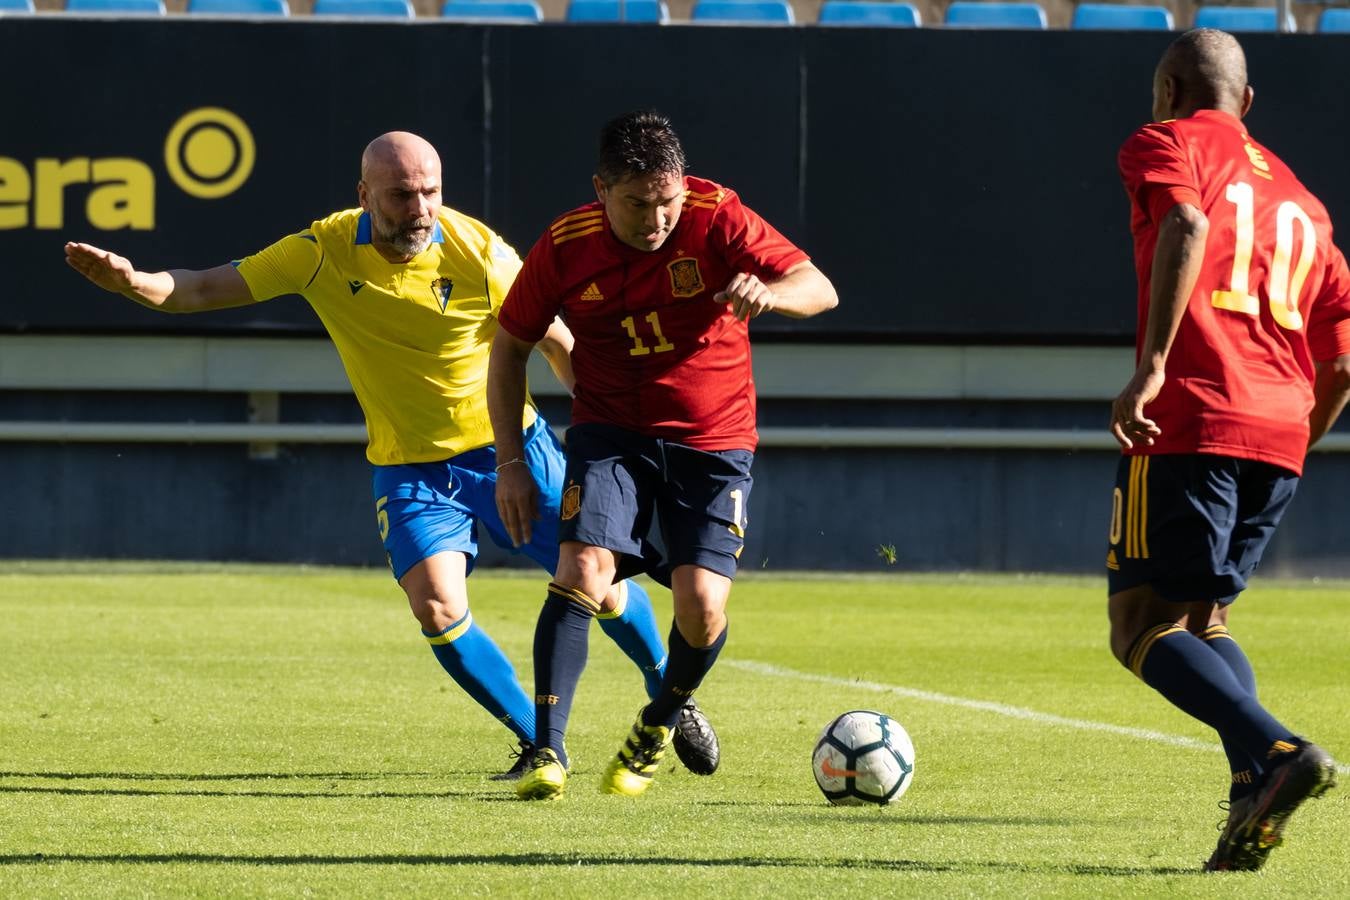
(592, 293)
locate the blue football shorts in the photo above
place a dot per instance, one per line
(1193, 525)
(618, 480)
(425, 508)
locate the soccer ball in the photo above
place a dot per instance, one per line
(863, 757)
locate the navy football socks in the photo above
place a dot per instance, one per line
(477, 664)
(1246, 770)
(684, 673)
(561, 642)
(1200, 683)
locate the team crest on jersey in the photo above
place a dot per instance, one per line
(571, 502)
(442, 287)
(685, 278)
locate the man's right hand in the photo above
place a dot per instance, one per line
(107, 270)
(1128, 422)
(517, 501)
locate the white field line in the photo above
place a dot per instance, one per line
(1001, 709)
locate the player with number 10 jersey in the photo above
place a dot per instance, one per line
(1272, 297)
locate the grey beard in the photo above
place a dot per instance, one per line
(409, 246)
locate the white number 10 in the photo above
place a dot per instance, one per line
(1282, 289)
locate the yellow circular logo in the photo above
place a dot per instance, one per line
(209, 152)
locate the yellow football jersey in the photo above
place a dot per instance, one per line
(414, 337)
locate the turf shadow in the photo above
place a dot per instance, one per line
(574, 859)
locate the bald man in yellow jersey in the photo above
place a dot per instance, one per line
(409, 291)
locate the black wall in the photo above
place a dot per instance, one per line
(957, 185)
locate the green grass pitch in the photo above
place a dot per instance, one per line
(271, 731)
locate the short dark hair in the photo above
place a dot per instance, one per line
(1209, 66)
(641, 142)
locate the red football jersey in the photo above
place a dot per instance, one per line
(1273, 294)
(655, 353)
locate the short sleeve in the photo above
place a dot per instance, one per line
(533, 301)
(752, 244)
(286, 267)
(1157, 171)
(1329, 322)
(501, 265)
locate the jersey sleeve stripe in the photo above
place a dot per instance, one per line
(564, 238)
(564, 232)
(576, 219)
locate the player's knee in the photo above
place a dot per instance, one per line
(436, 612)
(700, 625)
(587, 571)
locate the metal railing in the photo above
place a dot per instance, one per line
(771, 436)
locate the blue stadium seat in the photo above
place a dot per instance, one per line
(15, 6)
(239, 7)
(757, 12)
(618, 11)
(868, 13)
(1237, 18)
(119, 7)
(1122, 17)
(1334, 21)
(399, 9)
(492, 10)
(971, 14)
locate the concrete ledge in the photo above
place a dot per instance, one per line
(805, 371)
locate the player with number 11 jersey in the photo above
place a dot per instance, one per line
(655, 353)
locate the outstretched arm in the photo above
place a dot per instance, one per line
(1176, 267)
(175, 290)
(517, 492)
(803, 291)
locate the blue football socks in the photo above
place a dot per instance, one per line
(1200, 683)
(684, 673)
(632, 625)
(478, 665)
(561, 642)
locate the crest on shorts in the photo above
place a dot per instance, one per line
(685, 279)
(571, 502)
(442, 287)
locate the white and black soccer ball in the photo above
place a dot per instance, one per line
(863, 757)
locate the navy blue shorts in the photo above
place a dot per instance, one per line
(617, 480)
(425, 508)
(1193, 526)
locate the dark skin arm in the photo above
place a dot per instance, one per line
(1331, 390)
(1176, 267)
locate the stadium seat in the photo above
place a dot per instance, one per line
(15, 6)
(239, 7)
(756, 12)
(1237, 18)
(399, 9)
(1334, 21)
(119, 7)
(972, 14)
(868, 13)
(492, 11)
(1122, 17)
(618, 11)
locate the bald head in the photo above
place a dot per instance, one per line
(401, 189)
(1203, 69)
(399, 151)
